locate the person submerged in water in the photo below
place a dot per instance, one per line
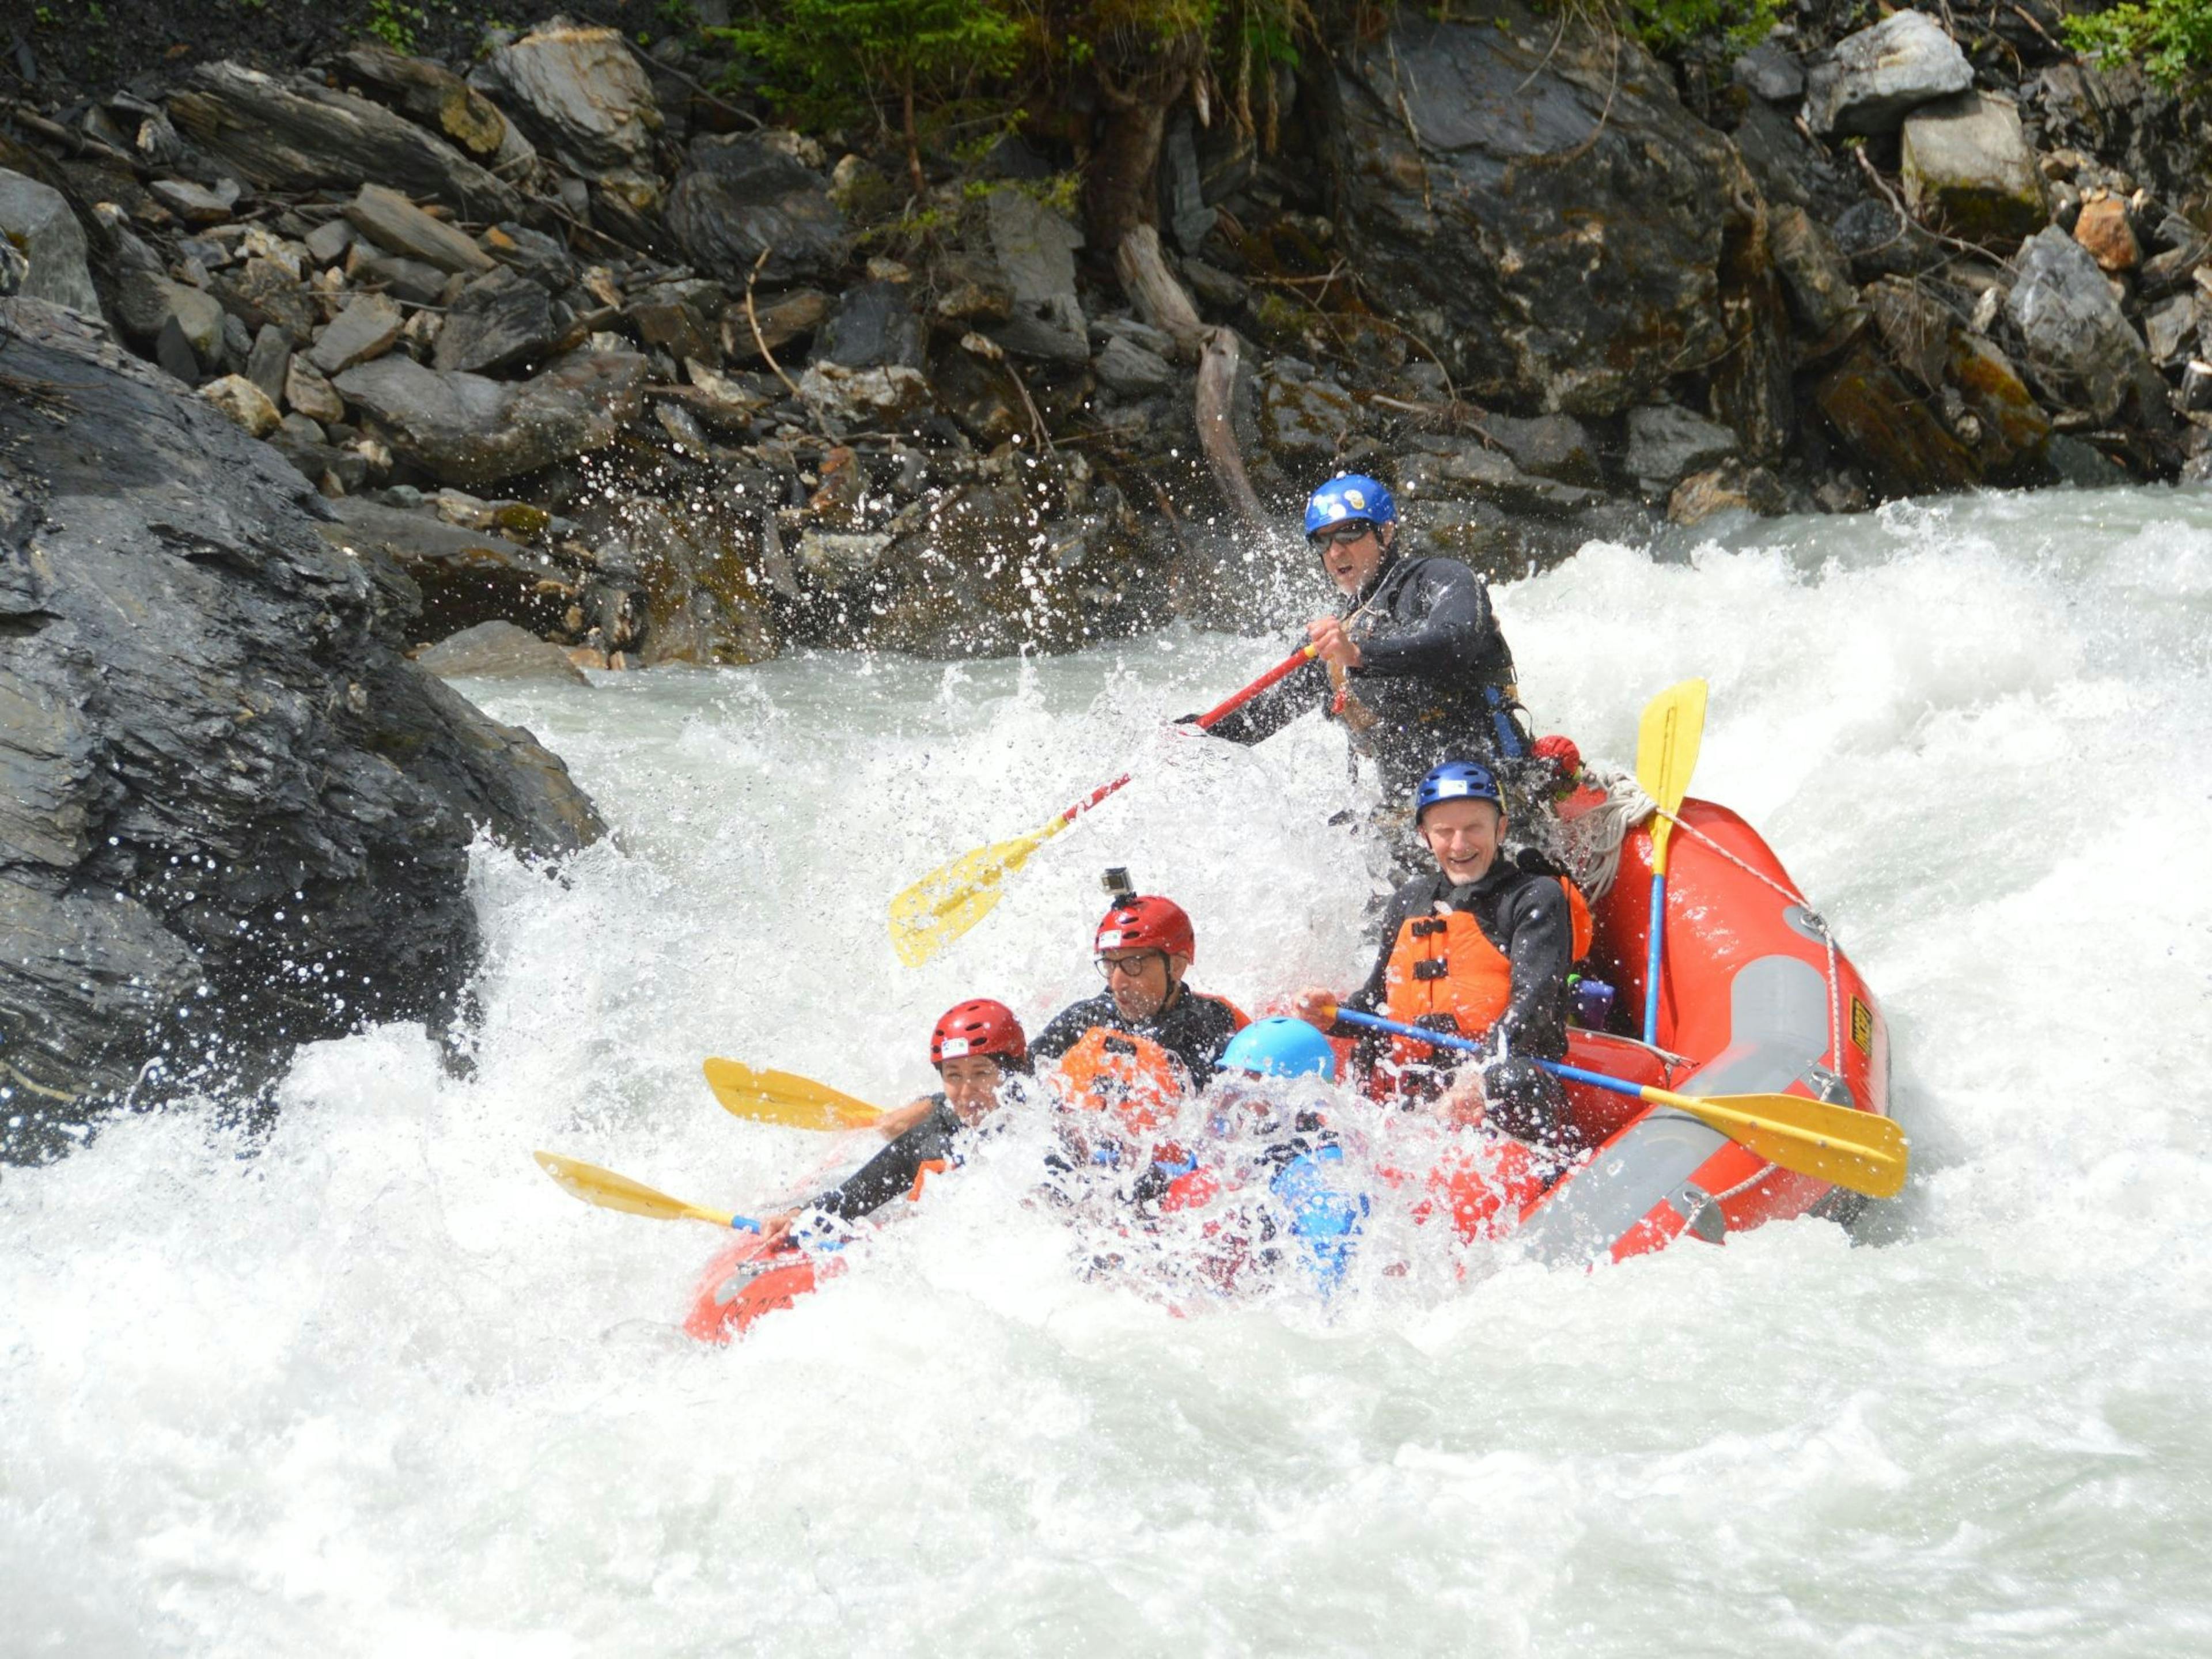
(1413, 665)
(982, 1057)
(1481, 947)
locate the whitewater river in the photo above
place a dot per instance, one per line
(374, 1386)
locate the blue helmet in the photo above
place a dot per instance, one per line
(1456, 781)
(1281, 1047)
(1354, 496)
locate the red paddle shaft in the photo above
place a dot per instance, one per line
(1220, 711)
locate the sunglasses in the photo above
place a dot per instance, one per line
(1134, 965)
(1351, 529)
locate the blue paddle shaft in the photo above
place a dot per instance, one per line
(1651, 968)
(1448, 1040)
(745, 1223)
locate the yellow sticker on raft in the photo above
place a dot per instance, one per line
(1862, 1026)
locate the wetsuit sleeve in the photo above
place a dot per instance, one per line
(1277, 706)
(1454, 629)
(890, 1173)
(1371, 995)
(1540, 947)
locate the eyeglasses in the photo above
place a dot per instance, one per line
(1132, 964)
(1351, 529)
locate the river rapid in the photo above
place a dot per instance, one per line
(369, 1383)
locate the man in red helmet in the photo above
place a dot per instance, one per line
(1144, 948)
(980, 1053)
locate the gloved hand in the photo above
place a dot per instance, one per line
(1560, 758)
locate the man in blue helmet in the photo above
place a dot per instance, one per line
(1413, 665)
(1481, 947)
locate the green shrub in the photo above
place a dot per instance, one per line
(2171, 37)
(1667, 24)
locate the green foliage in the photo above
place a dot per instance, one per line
(395, 24)
(826, 60)
(1667, 24)
(2171, 37)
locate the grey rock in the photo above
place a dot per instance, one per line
(1873, 79)
(1966, 160)
(327, 242)
(1877, 242)
(1731, 487)
(268, 362)
(401, 278)
(1815, 280)
(2084, 465)
(787, 318)
(871, 326)
(580, 96)
(307, 391)
(1187, 213)
(1034, 247)
(364, 330)
(1557, 194)
(465, 576)
(1304, 419)
(297, 135)
(196, 204)
(14, 269)
(1667, 442)
(37, 219)
(502, 319)
(741, 197)
(683, 319)
(1549, 446)
(971, 290)
(262, 294)
(536, 255)
(1213, 287)
(389, 220)
(2170, 329)
(1131, 370)
(433, 97)
(2078, 342)
(1769, 71)
(865, 396)
(215, 763)
(499, 651)
(175, 354)
(1437, 469)
(465, 430)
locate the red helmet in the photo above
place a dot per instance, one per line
(979, 1026)
(1146, 923)
(1561, 755)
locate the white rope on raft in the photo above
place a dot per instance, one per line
(1591, 847)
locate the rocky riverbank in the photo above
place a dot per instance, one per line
(548, 357)
(593, 351)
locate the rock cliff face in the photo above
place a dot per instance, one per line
(232, 816)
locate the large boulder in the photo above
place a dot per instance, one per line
(2079, 344)
(233, 816)
(741, 197)
(37, 219)
(301, 135)
(465, 430)
(1035, 249)
(1872, 80)
(1967, 160)
(1535, 200)
(581, 96)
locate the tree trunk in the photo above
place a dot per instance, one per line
(1217, 432)
(1152, 288)
(1119, 190)
(913, 142)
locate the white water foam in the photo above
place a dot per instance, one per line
(373, 1385)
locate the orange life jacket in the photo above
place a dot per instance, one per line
(1131, 1076)
(1579, 916)
(1444, 965)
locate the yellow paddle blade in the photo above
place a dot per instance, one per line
(784, 1097)
(612, 1192)
(1835, 1144)
(1667, 741)
(953, 897)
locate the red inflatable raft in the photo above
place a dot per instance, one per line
(1755, 999)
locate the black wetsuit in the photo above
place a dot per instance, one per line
(1434, 670)
(1194, 1028)
(1524, 914)
(890, 1173)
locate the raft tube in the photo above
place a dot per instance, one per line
(1754, 999)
